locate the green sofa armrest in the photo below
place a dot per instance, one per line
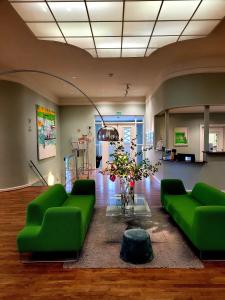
(208, 228)
(61, 229)
(171, 187)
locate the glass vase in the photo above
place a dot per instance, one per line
(127, 197)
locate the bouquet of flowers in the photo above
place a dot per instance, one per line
(124, 165)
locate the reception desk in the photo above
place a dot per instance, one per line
(197, 162)
(211, 171)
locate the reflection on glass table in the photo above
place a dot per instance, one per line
(140, 207)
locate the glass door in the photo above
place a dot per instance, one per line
(127, 132)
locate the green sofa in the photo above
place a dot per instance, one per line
(57, 221)
(200, 213)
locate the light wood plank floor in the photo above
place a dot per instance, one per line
(51, 281)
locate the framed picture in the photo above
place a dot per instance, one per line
(46, 132)
(180, 136)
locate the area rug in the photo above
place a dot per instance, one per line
(102, 244)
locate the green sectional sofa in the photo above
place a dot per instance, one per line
(57, 221)
(200, 213)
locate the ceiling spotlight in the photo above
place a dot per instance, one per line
(128, 85)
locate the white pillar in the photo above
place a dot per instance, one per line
(166, 131)
(206, 130)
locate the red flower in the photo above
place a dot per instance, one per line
(132, 183)
(112, 177)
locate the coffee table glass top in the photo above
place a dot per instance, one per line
(141, 207)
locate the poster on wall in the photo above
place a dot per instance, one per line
(46, 132)
(180, 136)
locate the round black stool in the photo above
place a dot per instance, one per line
(136, 246)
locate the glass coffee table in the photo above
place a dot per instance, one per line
(140, 208)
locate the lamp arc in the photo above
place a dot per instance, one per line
(110, 133)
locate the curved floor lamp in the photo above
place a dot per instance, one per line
(105, 133)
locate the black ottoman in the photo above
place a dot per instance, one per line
(136, 246)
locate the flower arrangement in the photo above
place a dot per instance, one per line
(125, 167)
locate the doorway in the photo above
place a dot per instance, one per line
(129, 127)
(216, 139)
(127, 132)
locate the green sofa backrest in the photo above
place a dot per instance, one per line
(83, 187)
(172, 187)
(208, 195)
(53, 197)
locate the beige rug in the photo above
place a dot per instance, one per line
(102, 244)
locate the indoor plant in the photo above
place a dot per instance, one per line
(125, 167)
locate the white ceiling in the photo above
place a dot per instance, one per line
(120, 28)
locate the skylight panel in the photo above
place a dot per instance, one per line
(150, 51)
(141, 10)
(169, 27)
(41, 30)
(160, 41)
(108, 42)
(137, 28)
(133, 52)
(26, 0)
(210, 9)
(55, 39)
(189, 37)
(178, 10)
(81, 42)
(33, 11)
(105, 11)
(135, 42)
(108, 52)
(75, 29)
(107, 28)
(92, 52)
(69, 11)
(131, 25)
(200, 27)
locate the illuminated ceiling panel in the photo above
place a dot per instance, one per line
(69, 11)
(120, 28)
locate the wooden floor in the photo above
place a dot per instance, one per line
(51, 281)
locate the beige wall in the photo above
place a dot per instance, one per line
(76, 119)
(18, 141)
(189, 90)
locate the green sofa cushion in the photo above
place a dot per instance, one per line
(53, 197)
(86, 205)
(169, 199)
(182, 209)
(207, 195)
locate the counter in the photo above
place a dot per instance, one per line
(211, 172)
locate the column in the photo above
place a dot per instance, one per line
(166, 130)
(206, 131)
